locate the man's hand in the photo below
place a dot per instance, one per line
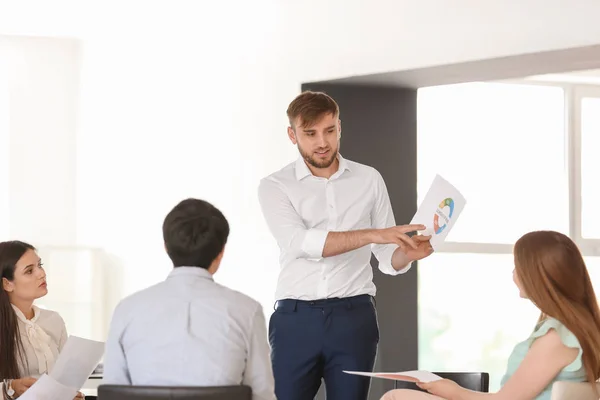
(21, 385)
(403, 257)
(398, 235)
(423, 249)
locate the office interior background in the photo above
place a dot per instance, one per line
(112, 112)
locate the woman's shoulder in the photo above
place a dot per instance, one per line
(549, 324)
(556, 334)
(49, 316)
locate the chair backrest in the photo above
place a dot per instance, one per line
(477, 381)
(122, 392)
(574, 391)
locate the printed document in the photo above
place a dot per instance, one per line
(439, 210)
(46, 388)
(78, 358)
(75, 363)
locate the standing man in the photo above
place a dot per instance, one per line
(327, 215)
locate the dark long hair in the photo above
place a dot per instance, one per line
(555, 278)
(11, 347)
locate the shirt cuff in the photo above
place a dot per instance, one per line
(385, 262)
(314, 242)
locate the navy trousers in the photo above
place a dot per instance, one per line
(314, 340)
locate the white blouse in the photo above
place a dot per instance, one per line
(43, 337)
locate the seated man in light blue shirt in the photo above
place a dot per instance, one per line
(189, 330)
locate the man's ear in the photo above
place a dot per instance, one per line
(292, 135)
(339, 128)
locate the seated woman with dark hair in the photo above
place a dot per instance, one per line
(30, 338)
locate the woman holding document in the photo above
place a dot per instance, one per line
(30, 338)
(565, 344)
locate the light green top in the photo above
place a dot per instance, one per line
(573, 372)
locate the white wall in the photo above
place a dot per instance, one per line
(359, 37)
(188, 99)
(178, 116)
(344, 37)
(4, 155)
(41, 77)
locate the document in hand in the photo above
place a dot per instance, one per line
(75, 363)
(408, 376)
(46, 388)
(439, 210)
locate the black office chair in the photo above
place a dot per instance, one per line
(122, 392)
(477, 381)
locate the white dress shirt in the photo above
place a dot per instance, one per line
(189, 331)
(301, 209)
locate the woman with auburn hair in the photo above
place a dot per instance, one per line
(30, 338)
(565, 344)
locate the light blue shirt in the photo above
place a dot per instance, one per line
(574, 372)
(189, 331)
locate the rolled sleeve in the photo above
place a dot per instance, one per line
(286, 225)
(314, 242)
(384, 254)
(383, 217)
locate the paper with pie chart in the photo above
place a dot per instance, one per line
(439, 210)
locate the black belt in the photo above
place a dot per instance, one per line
(293, 304)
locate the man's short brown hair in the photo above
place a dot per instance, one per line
(311, 107)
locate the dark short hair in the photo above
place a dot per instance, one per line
(195, 233)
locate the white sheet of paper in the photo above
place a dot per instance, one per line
(439, 210)
(46, 388)
(75, 363)
(408, 376)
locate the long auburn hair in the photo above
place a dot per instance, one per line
(11, 347)
(553, 274)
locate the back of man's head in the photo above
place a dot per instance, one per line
(195, 233)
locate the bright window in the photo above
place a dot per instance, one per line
(504, 147)
(590, 166)
(593, 266)
(470, 313)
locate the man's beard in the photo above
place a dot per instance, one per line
(312, 160)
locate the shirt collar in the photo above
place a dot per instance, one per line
(302, 170)
(191, 271)
(21, 316)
